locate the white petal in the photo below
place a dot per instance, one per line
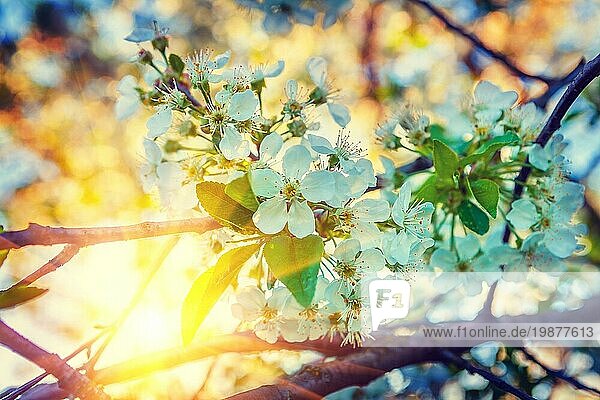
(159, 123)
(222, 59)
(291, 89)
(467, 247)
(301, 220)
(233, 145)
(243, 105)
(372, 210)
(317, 186)
(367, 234)
(265, 182)
(274, 70)
(444, 259)
(320, 144)
(153, 152)
(270, 146)
(523, 214)
(340, 113)
(126, 106)
(371, 260)
(296, 162)
(271, 216)
(317, 69)
(347, 250)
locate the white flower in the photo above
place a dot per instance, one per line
(242, 107)
(317, 69)
(128, 101)
(359, 221)
(159, 123)
(471, 274)
(148, 171)
(413, 218)
(553, 219)
(267, 71)
(269, 148)
(353, 264)
(270, 323)
(200, 66)
(544, 157)
(413, 222)
(490, 102)
(287, 195)
(312, 322)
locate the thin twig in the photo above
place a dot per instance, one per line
(493, 379)
(66, 254)
(478, 43)
(589, 72)
(560, 374)
(39, 235)
(68, 378)
(135, 300)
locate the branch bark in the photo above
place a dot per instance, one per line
(68, 379)
(65, 255)
(39, 235)
(315, 381)
(589, 72)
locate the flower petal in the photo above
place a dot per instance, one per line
(301, 220)
(372, 210)
(243, 105)
(317, 186)
(270, 146)
(271, 216)
(159, 123)
(523, 214)
(340, 113)
(317, 69)
(347, 250)
(233, 145)
(265, 182)
(296, 162)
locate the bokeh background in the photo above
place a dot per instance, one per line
(65, 160)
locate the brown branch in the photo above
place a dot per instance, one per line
(40, 235)
(560, 374)
(315, 381)
(478, 43)
(66, 254)
(150, 363)
(589, 72)
(493, 379)
(68, 379)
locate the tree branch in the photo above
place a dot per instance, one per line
(40, 235)
(493, 379)
(317, 380)
(66, 254)
(68, 379)
(560, 374)
(589, 72)
(478, 43)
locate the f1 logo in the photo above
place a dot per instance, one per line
(389, 299)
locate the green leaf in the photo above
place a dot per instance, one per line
(428, 190)
(487, 194)
(473, 217)
(240, 190)
(18, 295)
(176, 63)
(445, 161)
(3, 253)
(295, 262)
(223, 208)
(209, 287)
(490, 148)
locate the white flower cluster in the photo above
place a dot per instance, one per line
(300, 186)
